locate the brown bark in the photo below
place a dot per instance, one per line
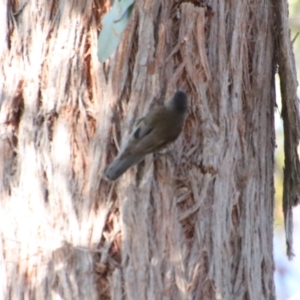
(195, 224)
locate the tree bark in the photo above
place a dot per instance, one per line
(193, 224)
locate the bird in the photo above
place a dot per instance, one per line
(160, 127)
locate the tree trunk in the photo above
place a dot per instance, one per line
(193, 224)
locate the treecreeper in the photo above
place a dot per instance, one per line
(160, 127)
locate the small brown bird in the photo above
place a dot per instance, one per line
(156, 130)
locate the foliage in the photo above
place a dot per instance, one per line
(113, 24)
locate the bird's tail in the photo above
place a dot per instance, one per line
(120, 165)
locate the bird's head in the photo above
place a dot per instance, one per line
(179, 102)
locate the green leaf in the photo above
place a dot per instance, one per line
(113, 25)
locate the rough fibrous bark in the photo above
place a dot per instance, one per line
(196, 223)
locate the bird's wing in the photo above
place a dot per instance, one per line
(141, 129)
(145, 136)
(146, 140)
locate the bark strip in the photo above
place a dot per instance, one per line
(290, 116)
